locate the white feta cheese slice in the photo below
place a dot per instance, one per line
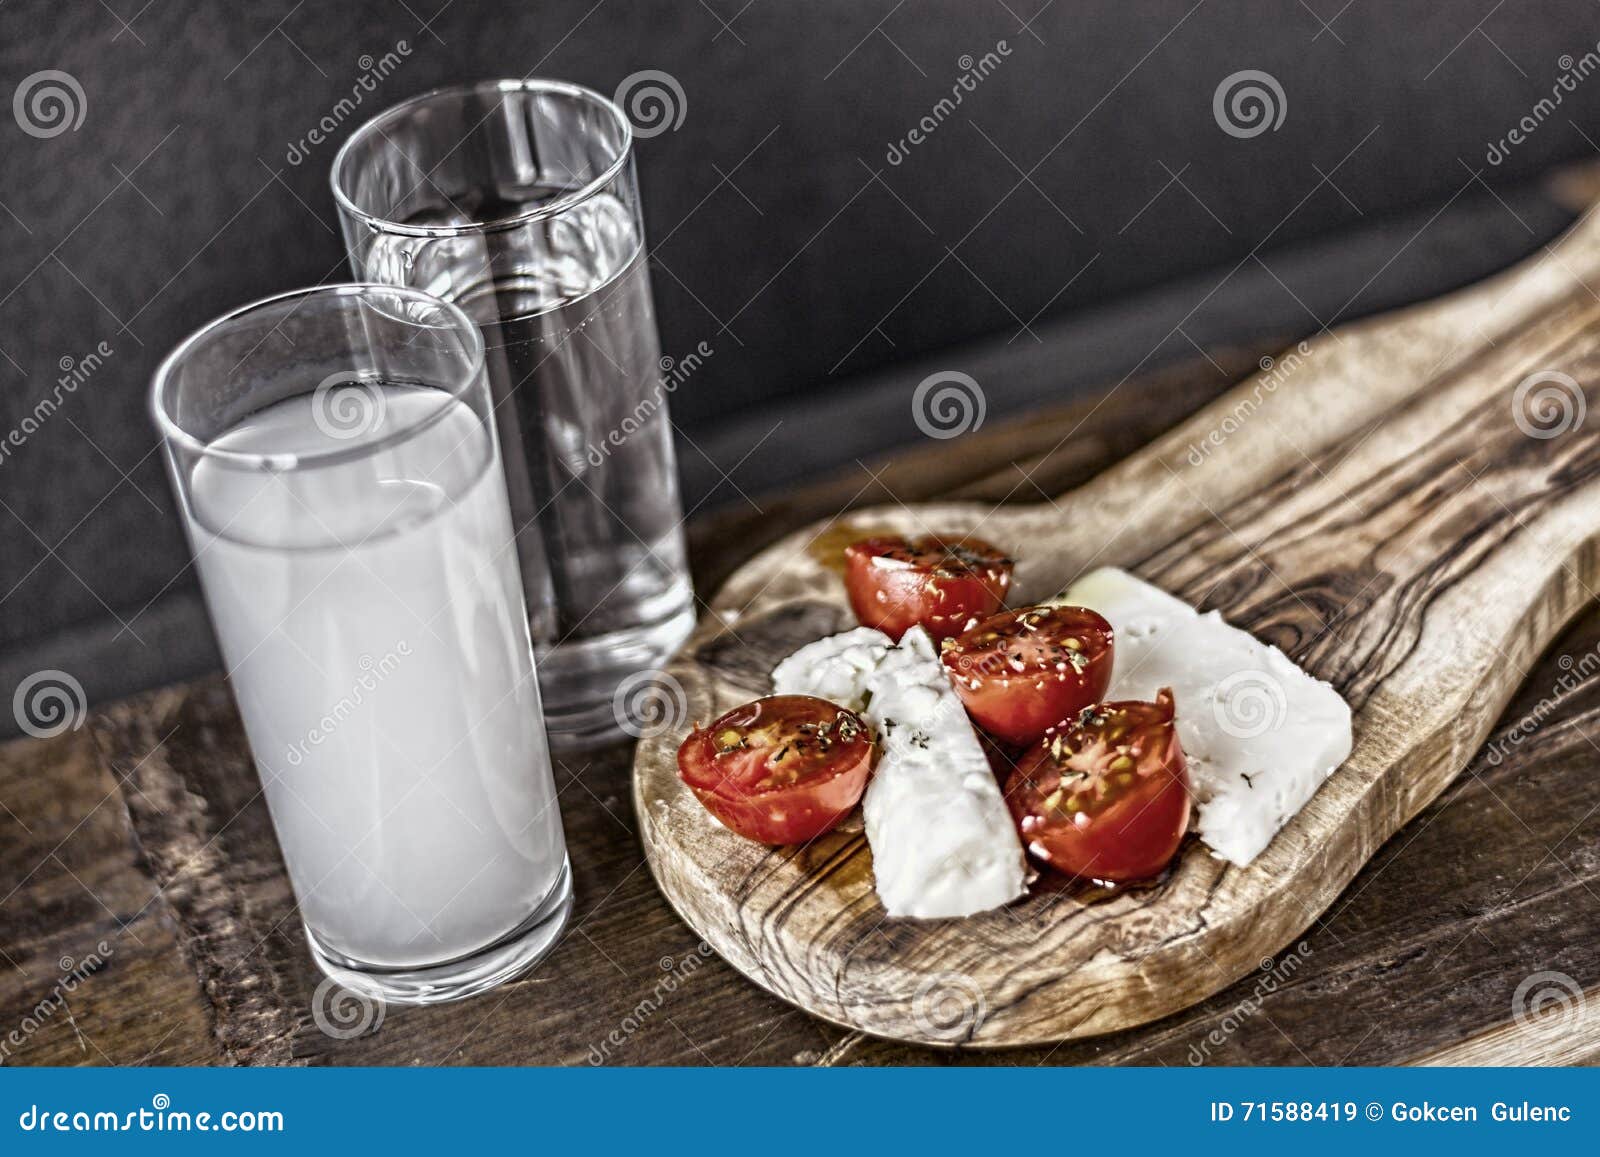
(1259, 733)
(943, 843)
(835, 668)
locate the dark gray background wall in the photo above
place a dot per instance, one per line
(1080, 214)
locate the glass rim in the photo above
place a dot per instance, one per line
(173, 431)
(552, 208)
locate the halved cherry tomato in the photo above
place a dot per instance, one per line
(1105, 797)
(1024, 671)
(781, 770)
(897, 583)
(1002, 757)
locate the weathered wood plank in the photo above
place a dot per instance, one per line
(1564, 1039)
(622, 929)
(93, 966)
(1435, 865)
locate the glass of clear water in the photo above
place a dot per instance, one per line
(517, 201)
(335, 461)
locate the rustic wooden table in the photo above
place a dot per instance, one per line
(145, 917)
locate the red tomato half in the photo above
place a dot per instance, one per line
(1107, 796)
(1022, 672)
(781, 770)
(896, 583)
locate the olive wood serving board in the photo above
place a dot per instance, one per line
(1408, 507)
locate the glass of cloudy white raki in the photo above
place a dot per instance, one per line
(334, 456)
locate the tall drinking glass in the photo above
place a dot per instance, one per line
(335, 461)
(517, 201)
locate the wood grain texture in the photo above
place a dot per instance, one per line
(1567, 1038)
(1493, 882)
(74, 889)
(1496, 880)
(224, 916)
(1394, 504)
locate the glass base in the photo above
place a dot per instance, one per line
(599, 690)
(505, 959)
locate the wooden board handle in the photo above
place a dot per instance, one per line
(1316, 394)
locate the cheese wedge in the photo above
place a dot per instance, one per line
(836, 668)
(1259, 733)
(943, 842)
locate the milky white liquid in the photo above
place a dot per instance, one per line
(371, 617)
